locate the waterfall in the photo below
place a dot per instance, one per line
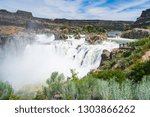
(46, 55)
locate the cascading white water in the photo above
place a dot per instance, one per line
(46, 55)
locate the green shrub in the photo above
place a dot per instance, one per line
(80, 89)
(142, 90)
(40, 95)
(140, 42)
(14, 97)
(91, 88)
(5, 90)
(127, 53)
(139, 70)
(53, 89)
(117, 75)
(93, 29)
(87, 87)
(103, 89)
(70, 91)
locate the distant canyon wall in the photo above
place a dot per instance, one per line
(27, 20)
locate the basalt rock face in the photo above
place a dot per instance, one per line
(105, 57)
(141, 28)
(26, 19)
(21, 19)
(144, 20)
(18, 14)
(136, 33)
(106, 24)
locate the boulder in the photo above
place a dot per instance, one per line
(146, 56)
(105, 55)
(94, 38)
(115, 53)
(77, 36)
(63, 36)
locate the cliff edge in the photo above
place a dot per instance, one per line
(144, 20)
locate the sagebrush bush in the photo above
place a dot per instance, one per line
(54, 87)
(142, 91)
(5, 90)
(139, 70)
(93, 88)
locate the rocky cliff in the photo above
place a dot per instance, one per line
(105, 24)
(140, 28)
(26, 19)
(22, 19)
(144, 20)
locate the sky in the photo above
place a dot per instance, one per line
(128, 10)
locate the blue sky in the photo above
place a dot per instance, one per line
(80, 9)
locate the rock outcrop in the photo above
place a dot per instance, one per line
(146, 56)
(94, 38)
(105, 55)
(77, 36)
(22, 19)
(144, 20)
(136, 33)
(62, 36)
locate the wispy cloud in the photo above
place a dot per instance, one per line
(80, 9)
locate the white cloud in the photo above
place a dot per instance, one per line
(72, 9)
(130, 4)
(97, 11)
(118, 12)
(64, 9)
